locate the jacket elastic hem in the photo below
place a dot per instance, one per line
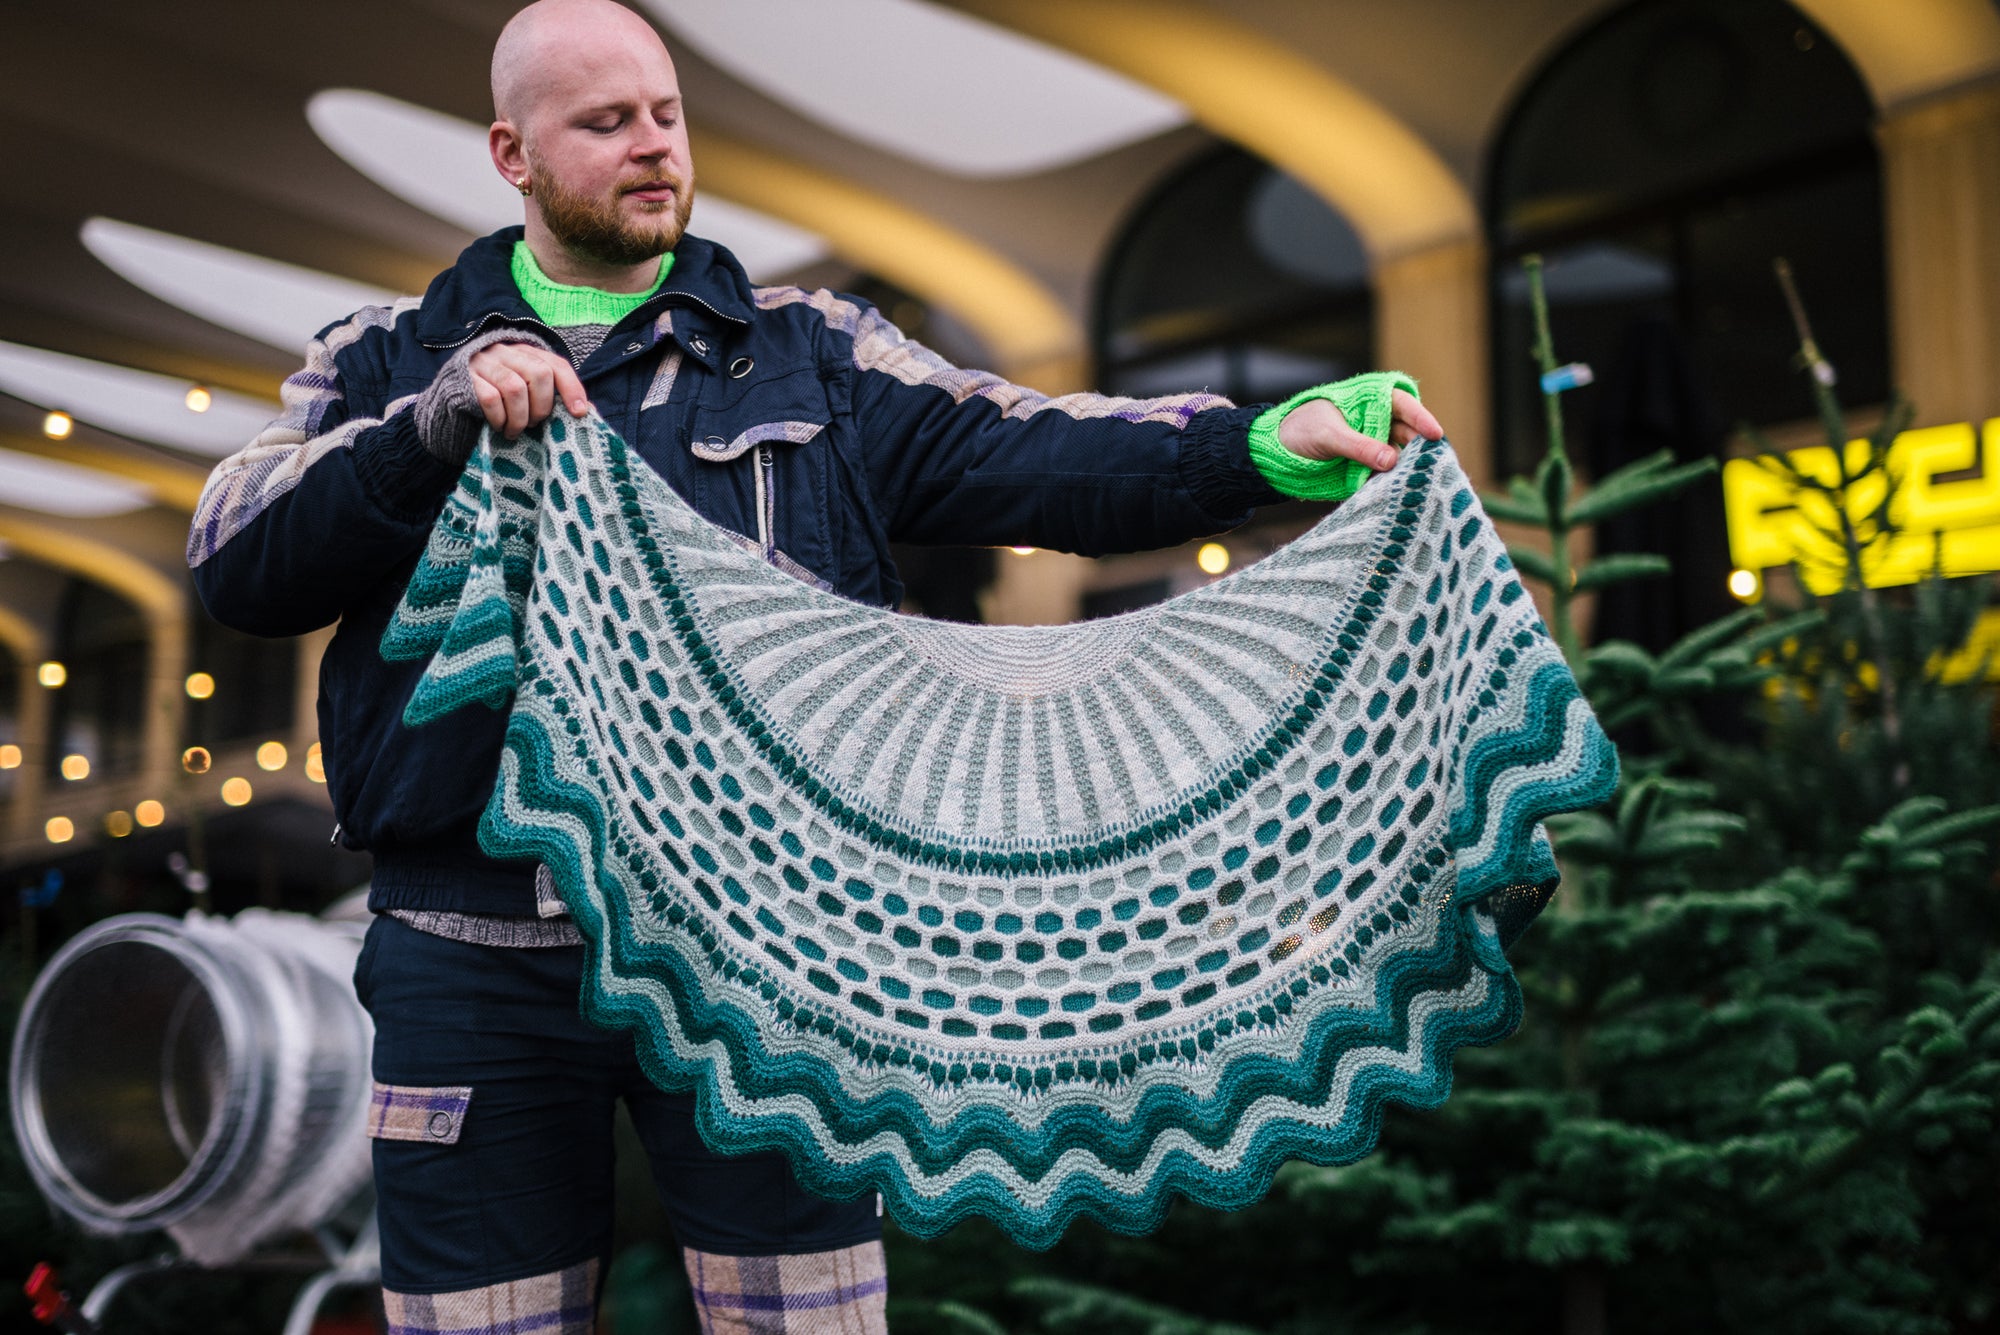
(1216, 468)
(402, 477)
(452, 885)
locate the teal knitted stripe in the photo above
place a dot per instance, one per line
(1364, 400)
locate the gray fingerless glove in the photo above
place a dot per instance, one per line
(447, 413)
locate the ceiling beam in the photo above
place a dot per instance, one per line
(1912, 48)
(1388, 181)
(1030, 335)
(173, 484)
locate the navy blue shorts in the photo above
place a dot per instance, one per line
(493, 1127)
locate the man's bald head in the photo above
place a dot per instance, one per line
(589, 128)
(543, 46)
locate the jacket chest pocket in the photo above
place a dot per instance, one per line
(755, 446)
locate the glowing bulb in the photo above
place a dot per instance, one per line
(196, 760)
(1745, 584)
(57, 426)
(60, 830)
(272, 756)
(1213, 558)
(315, 767)
(118, 824)
(52, 674)
(75, 767)
(1022, 551)
(149, 813)
(198, 399)
(200, 686)
(10, 756)
(236, 792)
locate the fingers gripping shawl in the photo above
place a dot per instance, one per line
(1022, 922)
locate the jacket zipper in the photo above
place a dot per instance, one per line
(767, 510)
(733, 319)
(486, 322)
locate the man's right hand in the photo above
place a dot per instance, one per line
(517, 385)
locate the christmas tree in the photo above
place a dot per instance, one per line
(1756, 1084)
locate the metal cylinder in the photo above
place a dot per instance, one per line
(207, 1077)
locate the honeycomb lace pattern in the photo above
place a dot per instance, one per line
(1017, 922)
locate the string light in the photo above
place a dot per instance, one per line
(10, 756)
(315, 767)
(57, 426)
(236, 791)
(1213, 558)
(52, 674)
(59, 829)
(272, 756)
(199, 399)
(118, 824)
(1745, 585)
(75, 767)
(200, 686)
(149, 813)
(196, 760)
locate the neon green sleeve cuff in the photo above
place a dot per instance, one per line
(1363, 400)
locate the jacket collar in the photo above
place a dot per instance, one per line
(479, 290)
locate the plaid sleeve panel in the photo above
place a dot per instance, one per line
(560, 1303)
(408, 1112)
(809, 1293)
(879, 346)
(314, 423)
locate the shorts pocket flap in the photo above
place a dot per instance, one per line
(409, 1112)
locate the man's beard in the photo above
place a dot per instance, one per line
(597, 229)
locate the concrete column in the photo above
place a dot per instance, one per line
(1941, 183)
(166, 698)
(33, 715)
(1430, 321)
(305, 690)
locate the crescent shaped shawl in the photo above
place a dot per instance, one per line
(1020, 922)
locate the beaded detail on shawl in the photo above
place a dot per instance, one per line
(1022, 922)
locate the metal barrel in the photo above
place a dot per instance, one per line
(204, 1076)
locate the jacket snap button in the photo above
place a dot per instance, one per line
(740, 368)
(700, 345)
(634, 347)
(440, 1125)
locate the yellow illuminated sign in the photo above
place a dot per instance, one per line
(1979, 653)
(1945, 514)
(1944, 517)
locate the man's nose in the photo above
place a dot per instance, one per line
(653, 141)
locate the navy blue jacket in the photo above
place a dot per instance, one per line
(803, 421)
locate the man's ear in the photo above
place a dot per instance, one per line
(503, 142)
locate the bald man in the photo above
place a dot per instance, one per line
(803, 423)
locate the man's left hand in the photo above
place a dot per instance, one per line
(1316, 430)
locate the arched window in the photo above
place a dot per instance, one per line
(252, 687)
(1659, 162)
(1234, 278)
(99, 712)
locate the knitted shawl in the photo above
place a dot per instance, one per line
(1020, 922)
